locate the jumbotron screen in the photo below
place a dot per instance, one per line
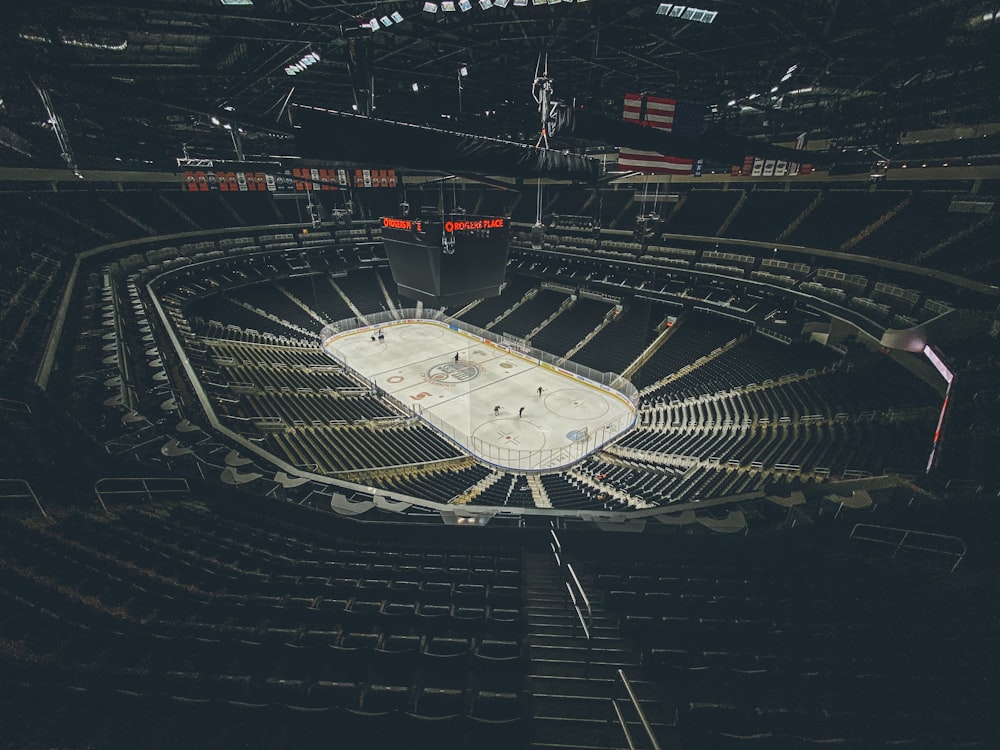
(448, 260)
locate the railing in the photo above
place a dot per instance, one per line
(9, 491)
(923, 541)
(577, 596)
(638, 709)
(147, 487)
(14, 405)
(610, 380)
(542, 459)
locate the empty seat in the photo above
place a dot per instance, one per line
(445, 662)
(333, 694)
(385, 699)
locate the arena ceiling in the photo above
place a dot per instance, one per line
(136, 80)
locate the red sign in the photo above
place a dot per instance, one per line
(400, 224)
(465, 226)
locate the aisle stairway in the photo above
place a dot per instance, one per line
(571, 680)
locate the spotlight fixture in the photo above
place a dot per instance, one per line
(520, 3)
(396, 16)
(216, 120)
(386, 21)
(430, 7)
(448, 6)
(485, 4)
(465, 5)
(501, 3)
(463, 71)
(415, 86)
(373, 24)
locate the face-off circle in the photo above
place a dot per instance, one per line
(577, 403)
(453, 373)
(421, 333)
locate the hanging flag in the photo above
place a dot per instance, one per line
(670, 115)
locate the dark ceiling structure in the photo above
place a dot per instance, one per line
(140, 81)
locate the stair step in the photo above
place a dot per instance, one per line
(568, 639)
(561, 611)
(577, 734)
(593, 687)
(572, 668)
(602, 648)
(572, 706)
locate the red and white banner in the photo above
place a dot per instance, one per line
(663, 114)
(653, 162)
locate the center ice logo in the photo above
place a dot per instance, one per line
(453, 372)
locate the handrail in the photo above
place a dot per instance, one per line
(583, 595)
(624, 725)
(579, 612)
(638, 709)
(570, 582)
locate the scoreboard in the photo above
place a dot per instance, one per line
(449, 260)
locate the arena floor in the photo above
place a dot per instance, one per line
(415, 362)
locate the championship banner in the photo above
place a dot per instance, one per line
(298, 179)
(754, 166)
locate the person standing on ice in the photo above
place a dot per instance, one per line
(496, 411)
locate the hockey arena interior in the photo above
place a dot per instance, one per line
(556, 376)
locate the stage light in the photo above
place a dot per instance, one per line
(430, 8)
(463, 71)
(396, 16)
(538, 2)
(215, 120)
(373, 24)
(465, 5)
(501, 3)
(415, 86)
(386, 21)
(520, 3)
(485, 4)
(448, 6)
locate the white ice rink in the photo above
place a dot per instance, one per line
(415, 363)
